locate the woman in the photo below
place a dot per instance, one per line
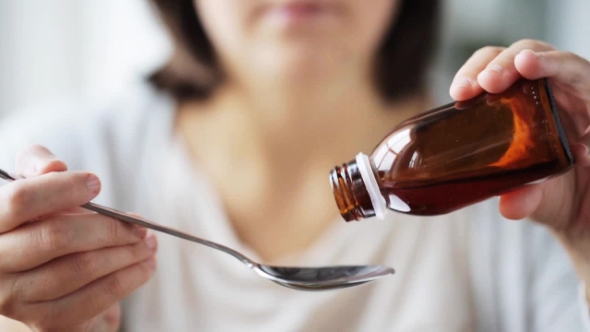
(260, 100)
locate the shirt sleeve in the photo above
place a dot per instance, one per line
(523, 278)
(555, 293)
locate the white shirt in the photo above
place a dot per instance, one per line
(471, 270)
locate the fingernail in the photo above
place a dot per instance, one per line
(93, 183)
(463, 82)
(140, 231)
(151, 241)
(536, 54)
(495, 69)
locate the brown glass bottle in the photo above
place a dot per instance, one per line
(457, 154)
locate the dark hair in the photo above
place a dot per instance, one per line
(400, 67)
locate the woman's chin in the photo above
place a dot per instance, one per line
(303, 65)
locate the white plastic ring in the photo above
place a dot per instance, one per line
(366, 170)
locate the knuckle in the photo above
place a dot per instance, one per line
(36, 318)
(10, 298)
(141, 251)
(114, 286)
(574, 57)
(6, 305)
(574, 77)
(49, 320)
(570, 55)
(84, 264)
(18, 199)
(114, 229)
(146, 271)
(11, 310)
(119, 233)
(52, 236)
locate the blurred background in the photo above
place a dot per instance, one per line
(56, 50)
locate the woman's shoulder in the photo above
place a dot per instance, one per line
(79, 130)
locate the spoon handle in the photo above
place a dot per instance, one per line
(125, 217)
(122, 216)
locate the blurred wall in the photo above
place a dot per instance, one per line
(469, 25)
(569, 25)
(59, 49)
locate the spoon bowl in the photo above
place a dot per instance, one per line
(322, 278)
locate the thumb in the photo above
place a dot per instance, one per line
(37, 160)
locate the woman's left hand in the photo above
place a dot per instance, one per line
(562, 203)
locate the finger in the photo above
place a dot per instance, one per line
(37, 160)
(542, 201)
(67, 274)
(568, 71)
(36, 243)
(563, 67)
(501, 72)
(24, 200)
(581, 150)
(96, 297)
(70, 211)
(465, 85)
(521, 203)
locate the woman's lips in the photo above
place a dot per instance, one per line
(298, 12)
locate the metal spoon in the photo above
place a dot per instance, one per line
(300, 278)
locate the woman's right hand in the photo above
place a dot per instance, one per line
(63, 268)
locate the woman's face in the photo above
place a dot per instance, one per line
(295, 38)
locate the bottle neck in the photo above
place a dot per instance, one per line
(350, 192)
